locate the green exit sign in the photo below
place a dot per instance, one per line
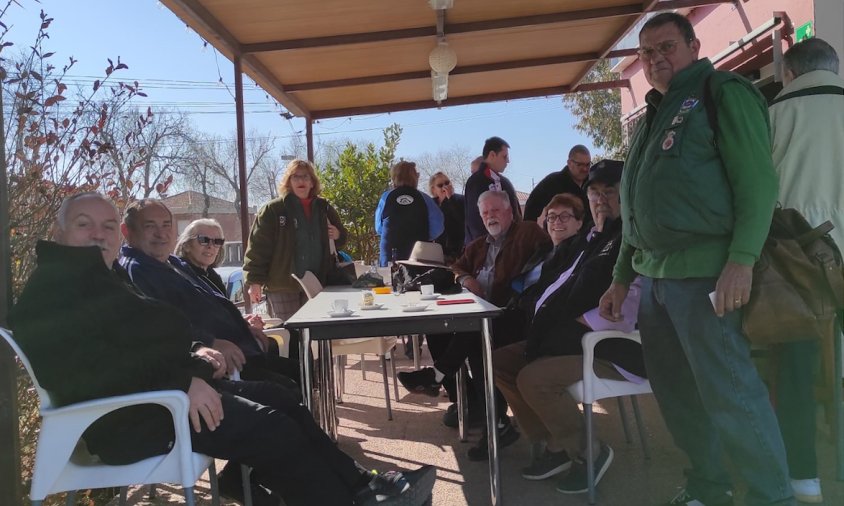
(805, 31)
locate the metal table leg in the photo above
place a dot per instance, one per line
(838, 431)
(305, 368)
(491, 415)
(462, 408)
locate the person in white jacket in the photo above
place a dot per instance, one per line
(807, 121)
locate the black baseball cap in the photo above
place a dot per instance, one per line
(605, 171)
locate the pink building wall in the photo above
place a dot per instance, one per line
(717, 27)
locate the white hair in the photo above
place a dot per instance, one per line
(61, 216)
(505, 198)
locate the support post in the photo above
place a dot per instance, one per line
(10, 475)
(241, 165)
(309, 137)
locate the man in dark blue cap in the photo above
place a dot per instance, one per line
(534, 374)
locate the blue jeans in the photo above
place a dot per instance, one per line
(710, 394)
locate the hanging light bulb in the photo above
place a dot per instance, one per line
(442, 58)
(439, 86)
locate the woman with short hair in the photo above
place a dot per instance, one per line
(291, 235)
(201, 245)
(452, 205)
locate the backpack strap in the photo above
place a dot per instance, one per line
(815, 234)
(816, 90)
(709, 104)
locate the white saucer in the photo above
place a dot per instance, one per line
(414, 309)
(433, 296)
(341, 314)
(369, 308)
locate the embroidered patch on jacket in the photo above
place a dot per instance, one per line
(404, 200)
(668, 141)
(282, 221)
(689, 104)
(677, 120)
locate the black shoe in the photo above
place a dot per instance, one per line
(507, 435)
(474, 419)
(547, 465)
(393, 488)
(230, 485)
(422, 381)
(576, 481)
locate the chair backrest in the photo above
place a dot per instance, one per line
(309, 283)
(43, 396)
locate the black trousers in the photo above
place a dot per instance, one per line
(450, 351)
(265, 427)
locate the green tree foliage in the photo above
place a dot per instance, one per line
(598, 113)
(353, 183)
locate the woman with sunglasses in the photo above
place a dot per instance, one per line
(201, 246)
(290, 235)
(452, 206)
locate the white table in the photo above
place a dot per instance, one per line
(315, 324)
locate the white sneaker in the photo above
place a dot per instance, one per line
(807, 490)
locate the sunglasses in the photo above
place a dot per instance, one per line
(205, 240)
(446, 183)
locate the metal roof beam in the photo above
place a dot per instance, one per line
(471, 99)
(450, 29)
(459, 70)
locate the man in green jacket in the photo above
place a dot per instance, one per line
(697, 201)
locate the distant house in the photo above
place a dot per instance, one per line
(523, 197)
(190, 205)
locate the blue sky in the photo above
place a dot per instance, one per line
(175, 70)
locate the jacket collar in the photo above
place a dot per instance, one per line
(811, 80)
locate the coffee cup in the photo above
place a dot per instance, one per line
(339, 305)
(427, 289)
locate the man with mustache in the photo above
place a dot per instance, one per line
(487, 268)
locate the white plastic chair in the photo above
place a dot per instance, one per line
(592, 388)
(63, 464)
(380, 346)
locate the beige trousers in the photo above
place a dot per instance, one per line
(536, 392)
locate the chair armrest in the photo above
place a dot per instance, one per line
(589, 341)
(63, 427)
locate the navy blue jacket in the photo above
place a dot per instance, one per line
(212, 315)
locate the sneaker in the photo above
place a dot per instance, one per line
(684, 499)
(576, 481)
(807, 490)
(507, 435)
(393, 488)
(547, 465)
(231, 487)
(422, 381)
(475, 418)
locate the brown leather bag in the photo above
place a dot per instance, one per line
(798, 283)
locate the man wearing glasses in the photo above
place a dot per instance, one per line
(534, 374)
(568, 180)
(696, 203)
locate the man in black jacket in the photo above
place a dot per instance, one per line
(102, 338)
(533, 374)
(568, 180)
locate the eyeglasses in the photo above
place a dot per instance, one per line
(595, 195)
(562, 217)
(444, 183)
(664, 48)
(582, 165)
(205, 240)
(301, 177)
